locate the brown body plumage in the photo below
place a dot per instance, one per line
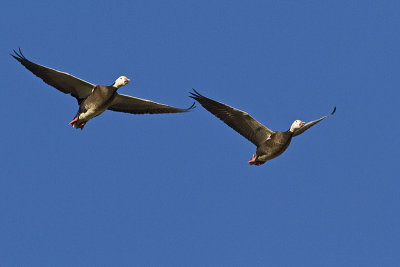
(270, 144)
(95, 104)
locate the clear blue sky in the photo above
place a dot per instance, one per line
(176, 190)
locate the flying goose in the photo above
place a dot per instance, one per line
(270, 144)
(94, 99)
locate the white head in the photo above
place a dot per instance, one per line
(121, 81)
(297, 124)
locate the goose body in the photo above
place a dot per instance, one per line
(270, 144)
(94, 99)
(95, 104)
(272, 147)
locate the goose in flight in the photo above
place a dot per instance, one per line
(270, 144)
(94, 99)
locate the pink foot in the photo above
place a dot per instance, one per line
(253, 160)
(74, 120)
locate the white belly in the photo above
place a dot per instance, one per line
(90, 113)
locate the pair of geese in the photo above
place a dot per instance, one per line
(95, 99)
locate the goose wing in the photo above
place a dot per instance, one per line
(62, 81)
(308, 125)
(238, 120)
(133, 105)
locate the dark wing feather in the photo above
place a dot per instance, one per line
(308, 125)
(62, 81)
(133, 105)
(238, 120)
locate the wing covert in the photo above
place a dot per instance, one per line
(62, 81)
(134, 105)
(238, 120)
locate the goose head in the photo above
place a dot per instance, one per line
(121, 81)
(297, 124)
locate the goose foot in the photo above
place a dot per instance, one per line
(74, 120)
(253, 160)
(82, 125)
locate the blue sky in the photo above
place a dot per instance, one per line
(176, 190)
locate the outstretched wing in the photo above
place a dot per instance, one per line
(311, 123)
(62, 81)
(238, 120)
(133, 105)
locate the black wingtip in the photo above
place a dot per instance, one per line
(14, 56)
(196, 95)
(196, 91)
(191, 107)
(334, 110)
(18, 55)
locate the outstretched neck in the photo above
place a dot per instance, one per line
(115, 87)
(290, 132)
